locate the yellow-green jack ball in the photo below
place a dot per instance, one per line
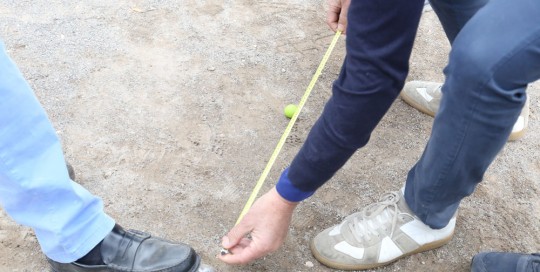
(290, 110)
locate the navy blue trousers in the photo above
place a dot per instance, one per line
(495, 54)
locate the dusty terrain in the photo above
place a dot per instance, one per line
(169, 111)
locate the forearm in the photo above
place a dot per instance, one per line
(372, 75)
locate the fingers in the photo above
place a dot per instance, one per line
(235, 236)
(342, 23)
(267, 223)
(336, 17)
(243, 250)
(240, 247)
(333, 15)
(242, 253)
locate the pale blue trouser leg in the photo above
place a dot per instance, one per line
(35, 189)
(493, 58)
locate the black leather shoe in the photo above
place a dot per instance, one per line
(131, 250)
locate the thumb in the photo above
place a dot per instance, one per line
(235, 235)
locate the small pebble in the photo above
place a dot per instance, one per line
(309, 264)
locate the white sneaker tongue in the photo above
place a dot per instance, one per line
(352, 236)
(349, 237)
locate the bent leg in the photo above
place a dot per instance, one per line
(494, 57)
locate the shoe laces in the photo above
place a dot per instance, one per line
(365, 224)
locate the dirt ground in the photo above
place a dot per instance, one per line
(169, 111)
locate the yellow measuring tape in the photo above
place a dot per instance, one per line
(288, 129)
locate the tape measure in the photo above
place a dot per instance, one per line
(286, 133)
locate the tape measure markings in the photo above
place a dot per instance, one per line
(288, 129)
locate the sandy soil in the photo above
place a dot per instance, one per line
(169, 111)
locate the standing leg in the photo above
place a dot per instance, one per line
(69, 222)
(35, 189)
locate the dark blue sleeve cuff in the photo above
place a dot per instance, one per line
(288, 191)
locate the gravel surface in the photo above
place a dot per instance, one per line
(169, 110)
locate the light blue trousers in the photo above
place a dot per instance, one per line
(35, 189)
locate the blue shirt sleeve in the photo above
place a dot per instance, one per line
(290, 192)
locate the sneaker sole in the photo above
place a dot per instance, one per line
(415, 105)
(61, 267)
(331, 264)
(514, 136)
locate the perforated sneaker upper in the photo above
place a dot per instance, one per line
(381, 233)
